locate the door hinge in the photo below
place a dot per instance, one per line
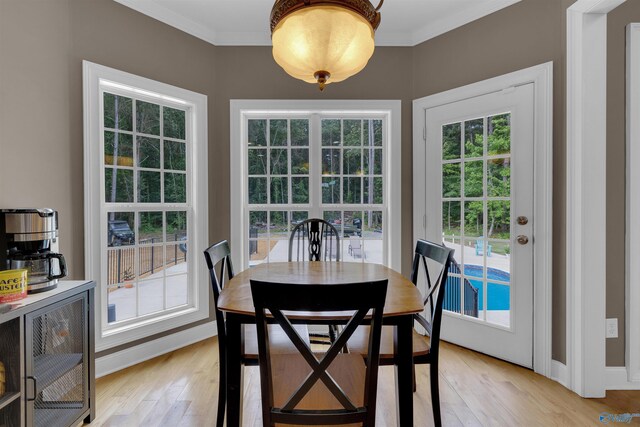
(424, 221)
(424, 133)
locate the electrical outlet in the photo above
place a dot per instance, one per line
(612, 328)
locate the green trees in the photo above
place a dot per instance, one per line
(488, 178)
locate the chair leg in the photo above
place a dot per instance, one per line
(413, 371)
(435, 393)
(222, 389)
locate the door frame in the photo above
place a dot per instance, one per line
(542, 78)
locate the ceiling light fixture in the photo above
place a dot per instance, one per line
(323, 41)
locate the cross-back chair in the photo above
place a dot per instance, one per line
(314, 240)
(218, 258)
(434, 260)
(333, 388)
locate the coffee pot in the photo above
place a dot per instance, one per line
(29, 240)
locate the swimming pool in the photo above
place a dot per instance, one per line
(498, 294)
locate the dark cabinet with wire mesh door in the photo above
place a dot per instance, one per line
(57, 363)
(47, 358)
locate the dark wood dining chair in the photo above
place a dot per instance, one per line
(435, 260)
(314, 240)
(218, 258)
(331, 388)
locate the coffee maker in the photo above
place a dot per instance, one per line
(29, 240)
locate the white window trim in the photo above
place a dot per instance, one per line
(586, 195)
(542, 78)
(94, 76)
(633, 205)
(392, 182)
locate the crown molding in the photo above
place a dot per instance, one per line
(259, 38)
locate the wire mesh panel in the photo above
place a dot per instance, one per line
(10, 373)
(57, 368)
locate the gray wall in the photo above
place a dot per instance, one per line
(617, 21)
(43, 43)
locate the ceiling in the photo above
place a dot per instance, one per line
(246, 22)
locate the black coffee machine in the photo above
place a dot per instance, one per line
(29, 240)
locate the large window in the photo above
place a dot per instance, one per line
(315, 162)
(145, 147)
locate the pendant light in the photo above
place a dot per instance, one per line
(323, 41)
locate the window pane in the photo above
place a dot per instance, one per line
(175, 155)
(258, 161)
(279, 162)
(151, 261)
(151, 293)
(499, 178)
(148, 152)
(118, 149)
(451, 218)
(150, 228)
(177, 290)
(121, 266)
(330, 190)
(149, 187)
(373, 161)
(352, 132)
(451, 180)
(499, 219)
(258, 190)
(451, 141)
(120, 229)
(473, 218)
(473, 179)
(121, 298)
(352, 162)
(499, 134)
(474, 138)
(352, 190)
(118, 185)
(300, 190)
(257, 224)
(147, 118)
(330, 132)
(352, 223)
(330, 161)
(258, 251)
(176, 225)
(176, 259)
(298, 216)
(278, 132)
(279, 190)
(372, 227)
(257, 135)
(374, 196)
(377, 133)
(300, 161)
(300, 132)
(173, 123)
(334, 218)
(117, 112)
(279, 225)
(175, 188)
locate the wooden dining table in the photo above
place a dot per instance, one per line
(402, 302)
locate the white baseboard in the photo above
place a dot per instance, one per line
(560, 373)
(123, 359)
(617, 378)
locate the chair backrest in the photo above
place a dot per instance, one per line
(218, 256)
(436, 260)
(358, 297)
(314, 240)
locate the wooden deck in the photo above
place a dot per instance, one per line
(180, 389)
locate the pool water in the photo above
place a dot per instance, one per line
(498, 294)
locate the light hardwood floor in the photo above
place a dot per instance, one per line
(180, 389)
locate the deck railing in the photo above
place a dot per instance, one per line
(452, 297)
(121, 262)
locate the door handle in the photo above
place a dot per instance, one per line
(523, 220)
(523, 240)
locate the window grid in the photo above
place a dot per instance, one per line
(138, 207)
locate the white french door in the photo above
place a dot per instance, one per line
(479, 201)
